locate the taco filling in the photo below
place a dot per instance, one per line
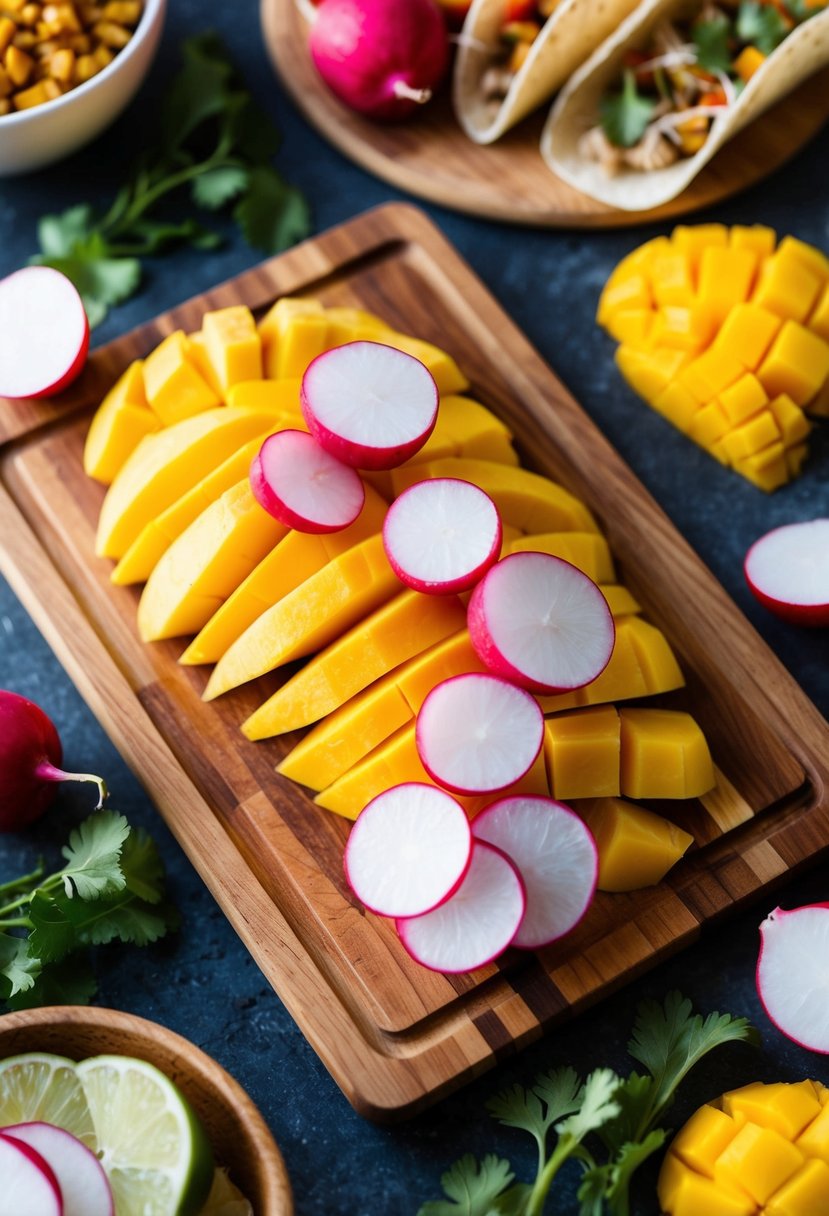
(522, 25)
(687, 75)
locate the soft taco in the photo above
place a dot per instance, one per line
(514, 54)
(680, 77)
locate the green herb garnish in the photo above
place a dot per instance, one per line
(624, 116)
(711, 39)
(761, 25)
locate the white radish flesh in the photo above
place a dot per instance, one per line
(441, 536)
(477, 734)
(27, 1185)
(44, 333)
(555, 854)
(79, 1173)
(791, 973)
(294, 479)
(788, 571)
(477, 924)
(368, 404)
(408, 850)
(538, 621)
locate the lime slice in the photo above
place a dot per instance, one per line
(38, 1087)
(225, 1199)
(149, 1141)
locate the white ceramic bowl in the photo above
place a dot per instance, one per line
(30, 139)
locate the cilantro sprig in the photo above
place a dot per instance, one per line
(625, 116)
(110, 889)
(215, 148)
(606, 1123)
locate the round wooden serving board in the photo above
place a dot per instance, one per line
(432, 158)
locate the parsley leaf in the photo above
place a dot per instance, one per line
(711, 39)
(472, 1189)
(625, 116)
(761, 25)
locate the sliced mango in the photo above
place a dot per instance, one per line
(447, 375)
(275, 323)
(583, 753)
(119, 424)
(664, 755)
(620, 600)
(281, 396)
(174, 387)
(636, 846)
(589, 551)
(233, 345)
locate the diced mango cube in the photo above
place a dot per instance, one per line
(709, 425)
(656, 660)
(302, 339)
(682, 1192)
(752, 436)
(749, 61)
(726, 276)
(785, 1107)
(352, 325)
(636, 846)
(786, 287)
(795, 458)
(281, 396)
(766, 469)
(707, 1133)
(797, 364)
(718, 451)
(582, 752)
(174, 388)
(233, 345)
(682, 328)
(632, 291)
(118, 426)
(819, 320)
(447, 375)
(707, 375)
(664, 755)
(807, 1191)
(679, 405)
(757, 237)
(807, 255)
(747, 333)
(620, 600)
(743, 399)
(813, 1140)
(759, 1160)
(673, 281)
(649, 372)
(198, 356)
(632, 326)
(693, 239)
(638, 261)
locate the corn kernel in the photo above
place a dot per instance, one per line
(86, 67)
(30, 14)
(44, 90)
(123, 12)
(6, 86)
(19, 65)
(111, 35)
(7, 32)
(5, 106)
(25, 40)
(62, 66)
(103, 56)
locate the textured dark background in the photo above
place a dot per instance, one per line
(202, 982)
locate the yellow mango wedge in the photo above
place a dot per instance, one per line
(204, 564)
(636, 846)
(404, 627)
(583, 753)
(174, 386)
(120, 423)
(311, 616)
(588, 551)
(447, 375)
(664, 755)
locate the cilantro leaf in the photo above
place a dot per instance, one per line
(596, 1105)
(199, 91)
(18, 969)
(627, 1161)
(592, 1191)
(472, 1189)
(67, 983)
(218, 186)
(58, 234)
(711, 38)
(625, 116)
(272, 214)
(93, 856)
(634, 1097)
(142, 866)
(761, 25)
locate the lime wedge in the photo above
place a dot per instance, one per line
(38, 1087)
(149, 1141)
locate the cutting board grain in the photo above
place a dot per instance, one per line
(394, 1036)
(432, 158)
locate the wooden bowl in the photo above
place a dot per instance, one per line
(239, 1135)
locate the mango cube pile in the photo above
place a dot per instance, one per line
(726, 334)
(762, 1149)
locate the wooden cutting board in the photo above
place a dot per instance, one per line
(395, 1036)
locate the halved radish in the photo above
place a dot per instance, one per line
(408, 850)
(538, 621)
(44, 332)
(294, 479)
(28, 1186)
(788, 571)
(83, 1184)
(477, 734)
(441, 536)
(791, 974)
(368, 404)
(555, 854)
(476, 924)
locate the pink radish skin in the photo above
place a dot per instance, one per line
(788, 572)
(83, 1184)
(382, 58)
(28, 1187)
(30, 755)
(442, 536)
(408, 851)
(540, 622)
(368, 404)
(793, 943)
(44, 333)
(473, 927)
(556, 856)
(478, 734)
(303, 486)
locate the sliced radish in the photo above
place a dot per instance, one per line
(44, 333)
(27, 1185)
(556, 856)
(80, 1175)
(791, 973)
(476, 924)
(477, 734)
(441, 536)
(538, 621)
(408, 850)
(294, 479)
(788, 572)
(368, 404)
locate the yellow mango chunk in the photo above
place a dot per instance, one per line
(786, 287)
(683, 328)
(792, 423)
(707, 1133)
(819, 319)
(813, 1140)
(394, 761)
(632, 291)
(679, 406)
(747, 333)
(785, 1108)
(354, 325)
(726, 276)
(118, 425)
(656, 659)
(174, 388)
(638, 261)
(795, 458)
(276, 320)
(767, 469)
(233, 345)
(806, 1191)
(204, 564)
(751, 437)
(709, 425)
(711, 372)
(300, 341)
(693, 239)
(198, 356)
(808, 256)
(757, 237)
(742, 399)
(797, 364)
(297, 557)
(464, 420)
(631, 326)
(682, 1192)
(758, 1160)
(582, 752)
(281, 396)
(390, 635)
(447, 375)
(309, 617)
(649, 372)
(636, 846)
(620, 600)
(588, 551)
(672, 279)
(664, 755)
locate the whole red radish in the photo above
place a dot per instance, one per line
(44, 332)
(30, 755)
(788, 572)
(382, 58)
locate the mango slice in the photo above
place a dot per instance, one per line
(636, 846)
(119, 424)
(589, 551)
(583, 753)
(664, 755)
(233, 345)
(175, 389)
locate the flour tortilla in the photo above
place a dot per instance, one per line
(568, 36)
(804, 51)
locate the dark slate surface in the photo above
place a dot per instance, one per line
(202, 982)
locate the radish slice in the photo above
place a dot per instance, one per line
(441, 536)
(476, 924)
(27, 1185)
(788, 572)
(44, 333)
(538, 621)
(368, 404)
(408, 850)
(80, 1176)
(477, 734)
(303, 486)
(556, 856)
(791, 974)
